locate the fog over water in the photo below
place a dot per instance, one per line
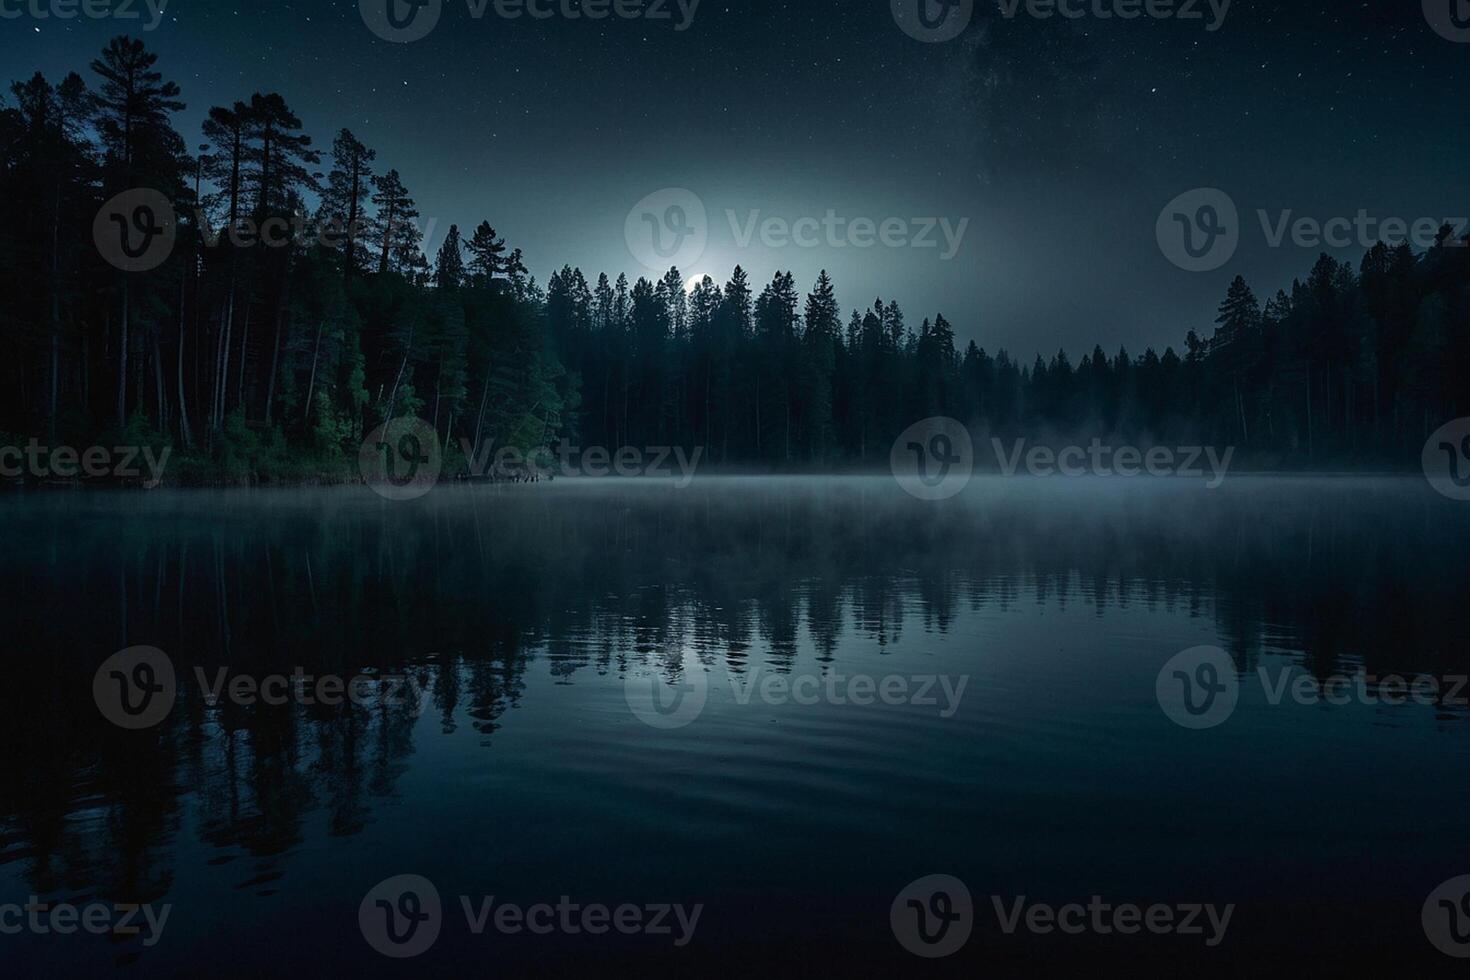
(1028, 621)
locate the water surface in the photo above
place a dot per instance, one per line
(528, 613)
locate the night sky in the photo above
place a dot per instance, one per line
(1059, 140)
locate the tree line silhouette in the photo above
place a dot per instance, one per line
(263, 356)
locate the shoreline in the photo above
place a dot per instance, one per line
(329, 481)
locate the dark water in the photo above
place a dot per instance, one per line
(529, 614)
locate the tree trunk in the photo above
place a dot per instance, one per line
(403, 365)
(387, 237)
(222, 358)
(311, 385)
(122, 360)
(244, 347)
(281, 305)
(55, 306)
(484, 400)
(158, 384)
(184, 432)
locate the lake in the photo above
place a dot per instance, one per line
(768, 707)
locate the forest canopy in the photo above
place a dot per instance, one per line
(296, 310)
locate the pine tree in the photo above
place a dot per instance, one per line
(449, 265)
(398, 234)
(487, 255)
(143, 150)
(345, 201)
